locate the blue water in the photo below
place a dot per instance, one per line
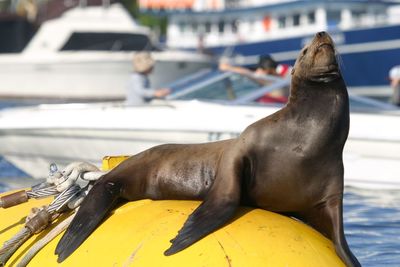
(371, 220)
(372, 226)
(7, 169)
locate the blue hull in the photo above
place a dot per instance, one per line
(367, 54)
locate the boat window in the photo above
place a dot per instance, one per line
(311, 17)
(229, 88)
(281, 22)
(357, 16)
(357, 13)
(221, 26)
(195, 26)
(296, 20)
(233, 3)
(333, 18)
(234, 25)
(181, 26)
(107, 41)
(208, 27)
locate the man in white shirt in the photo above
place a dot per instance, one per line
(139, 90)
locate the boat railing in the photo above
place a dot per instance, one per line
(212, 77)
(181, 83)
(275, 84)
(215, 77)
(365, 104)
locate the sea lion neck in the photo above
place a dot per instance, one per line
(316, 76)
(302, 89)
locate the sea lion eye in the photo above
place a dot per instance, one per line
(305, 51)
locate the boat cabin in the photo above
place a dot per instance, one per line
(96, 28)
(255, 21)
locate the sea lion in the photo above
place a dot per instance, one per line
(289, 162)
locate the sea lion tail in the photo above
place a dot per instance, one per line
(101, 199)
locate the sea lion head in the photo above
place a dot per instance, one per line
(317, 61)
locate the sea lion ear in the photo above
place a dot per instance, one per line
(292, 72)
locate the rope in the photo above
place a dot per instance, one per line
(45, 240)
(62, 199)
(70, 198)
(41, 193)
(23, 196)
(56, 182)
(37, 223)
(10, 246)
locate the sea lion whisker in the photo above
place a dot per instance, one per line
(339, 61)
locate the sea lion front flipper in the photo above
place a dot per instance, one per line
(327, 219)
(218, 207)
(101, 199)
(206, 218)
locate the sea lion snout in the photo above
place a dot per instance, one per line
(323, 47)
(323, 37)
(317, 62)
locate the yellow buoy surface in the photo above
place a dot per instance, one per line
(138, 233)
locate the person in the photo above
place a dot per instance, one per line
(139, 90)
(266, 66)
(394, 76)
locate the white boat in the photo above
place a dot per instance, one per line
(85, 54)
(33, 137)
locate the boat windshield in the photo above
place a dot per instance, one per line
(365, 104)
(107, 41)
(224, 87)
(228, 87)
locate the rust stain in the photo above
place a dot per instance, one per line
(226, 255)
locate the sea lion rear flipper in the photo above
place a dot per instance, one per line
(100, 201)
(218, 207)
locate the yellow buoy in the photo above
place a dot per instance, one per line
(138, 233)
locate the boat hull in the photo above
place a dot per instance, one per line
(87, 76)
(371, 161)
